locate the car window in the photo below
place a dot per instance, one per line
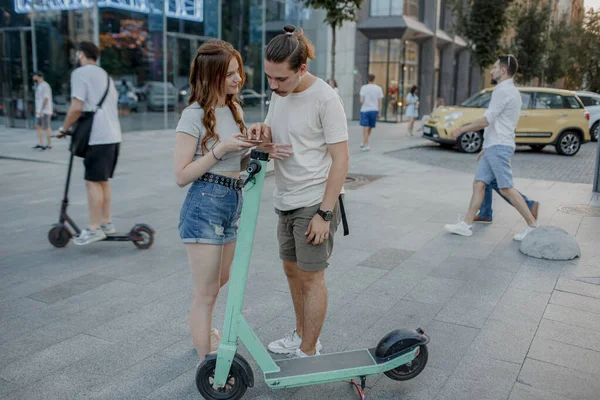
(549, 101)
(587, 101)
(572, 102)
(526, 98)
(481, 100)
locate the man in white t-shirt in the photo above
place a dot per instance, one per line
(43, 110)
(89, 83)
(500, 121)
(370, 98)
(308, 115)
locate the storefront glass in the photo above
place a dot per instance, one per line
(148, 60)
(395, 66)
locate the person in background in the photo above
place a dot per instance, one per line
(371, 95)
(412, 103)
(43, 111)
(334, 85)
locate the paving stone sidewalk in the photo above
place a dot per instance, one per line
(108, 321)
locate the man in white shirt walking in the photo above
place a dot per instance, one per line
(499, 121)
(43, 110)
(370, 98)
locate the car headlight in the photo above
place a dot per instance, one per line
(454, 115)
(183, 92)
(449, 124)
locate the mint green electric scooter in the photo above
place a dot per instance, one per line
(400, 355)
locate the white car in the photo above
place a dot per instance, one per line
(591, 101)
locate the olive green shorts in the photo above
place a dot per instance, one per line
(292, 241)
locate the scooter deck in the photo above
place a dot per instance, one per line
(323, 363)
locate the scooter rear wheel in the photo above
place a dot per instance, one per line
(59, 236)
(146, 236)
(233, 390)
(408, 370)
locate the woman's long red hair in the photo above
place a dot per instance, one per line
(207, 81)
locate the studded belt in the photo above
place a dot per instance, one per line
(232, 183)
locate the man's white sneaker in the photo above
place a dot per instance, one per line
(365, 148)
(521, 235)
(459, 228)
(289, 344)
(362, 145)
(108, 228)
(87, 237)
(300, 354)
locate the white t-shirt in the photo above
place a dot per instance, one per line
(88, 84)
(43, 91)
(502, 115)
(309, 121)
(372, 93)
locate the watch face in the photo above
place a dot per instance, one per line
(327, 215)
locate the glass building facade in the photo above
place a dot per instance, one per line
(147, 47)
(395, 64)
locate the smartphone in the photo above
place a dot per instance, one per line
(257, 141)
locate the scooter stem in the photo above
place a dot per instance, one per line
(241, 261)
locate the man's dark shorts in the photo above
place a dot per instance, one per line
(100, 162)
(292, 241)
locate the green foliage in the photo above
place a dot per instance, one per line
(483, 22)
(338, 12)
(532, 23)
(557, 50)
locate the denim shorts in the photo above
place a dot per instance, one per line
(368, 118)
(210, 214)
(495, 164)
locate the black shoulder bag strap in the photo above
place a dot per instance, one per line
(105, 92)
(344, 219)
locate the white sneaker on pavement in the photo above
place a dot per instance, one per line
(87, 237)
(108, 228)
(521, 235)
(365, 148)
(289, 344)
(459, 228)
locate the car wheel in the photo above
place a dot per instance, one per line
(568, 144)
(595, 131)
(470, 142)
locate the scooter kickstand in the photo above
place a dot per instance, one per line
(363, 385)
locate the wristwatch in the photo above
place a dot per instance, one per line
(326, 215)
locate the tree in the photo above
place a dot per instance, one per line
(532, 22)
(557, 50)
(583, 66)
(338, 12)
(483, 22)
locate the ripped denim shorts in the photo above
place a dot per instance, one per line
(210, 214)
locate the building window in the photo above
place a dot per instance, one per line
(385, 8)
(395, 66)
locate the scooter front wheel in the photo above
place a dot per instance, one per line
(59, 236)
(410, 369)
(233, 390)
